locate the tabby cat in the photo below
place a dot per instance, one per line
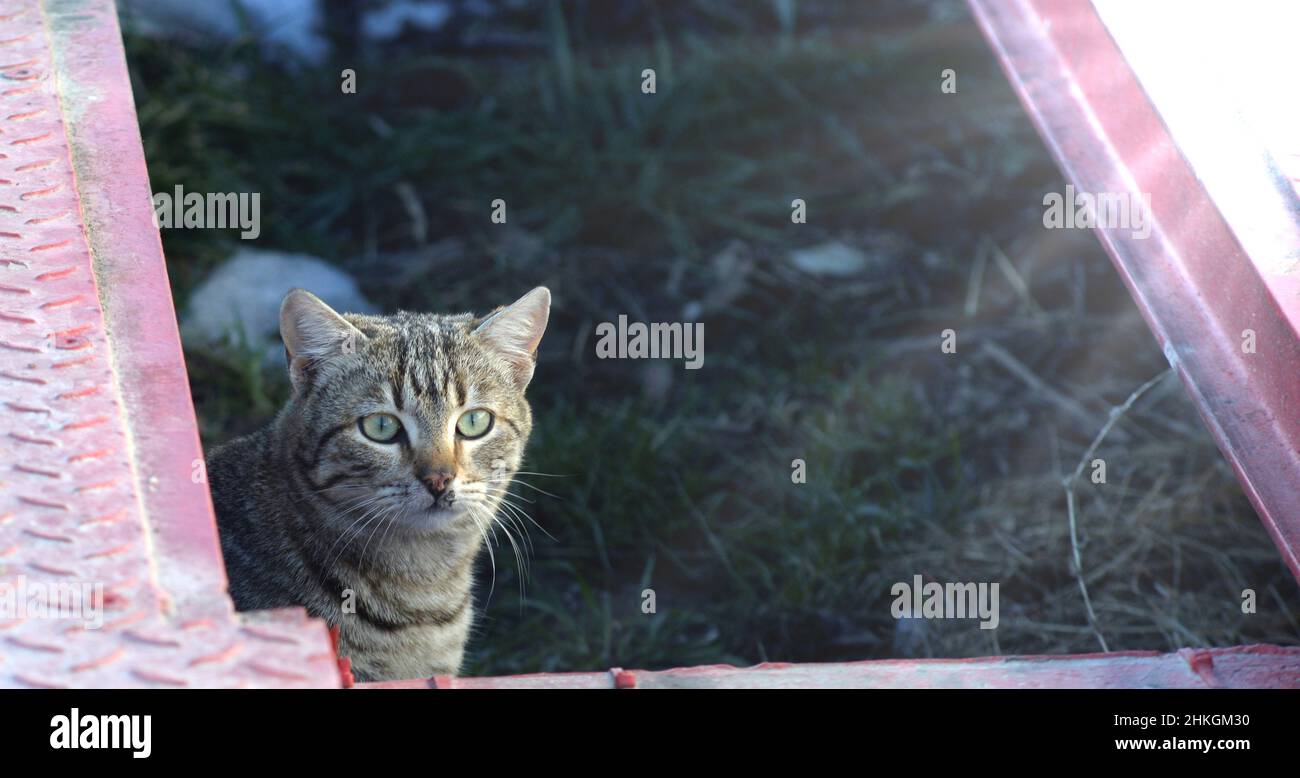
(368, 497)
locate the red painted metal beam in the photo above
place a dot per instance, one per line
(1241, 667)
(98, 443)
(1222, 255)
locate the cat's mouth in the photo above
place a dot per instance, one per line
(442, 503)
(451, 511)
(440, 511)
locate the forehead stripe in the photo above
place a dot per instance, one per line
(415, 381)
(398, 387)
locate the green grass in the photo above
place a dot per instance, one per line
(744, 562)
(735, 132)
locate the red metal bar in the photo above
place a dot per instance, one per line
(1241, 667)
(1210, 269)
(99, 442)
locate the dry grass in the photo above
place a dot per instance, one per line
(1168, 544)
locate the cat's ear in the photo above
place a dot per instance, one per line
(515, 331)
(312, 333)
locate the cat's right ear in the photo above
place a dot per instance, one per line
(313, 333)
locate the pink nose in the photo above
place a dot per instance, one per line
(437, 481)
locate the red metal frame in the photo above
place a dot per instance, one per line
(1240, 667)
(99, 439)
(100, 444)
(1198, 288)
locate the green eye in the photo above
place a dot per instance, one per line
(381, 427)
(474, 424)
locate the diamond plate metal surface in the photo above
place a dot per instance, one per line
(97, 436)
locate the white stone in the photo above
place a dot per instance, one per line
(291, 24)
(239, 304)
(829, 259)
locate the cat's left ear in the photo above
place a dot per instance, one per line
(515, 331)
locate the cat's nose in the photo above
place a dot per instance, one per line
(437, 481)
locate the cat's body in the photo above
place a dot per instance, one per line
(369, 496)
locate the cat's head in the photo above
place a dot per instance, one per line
(413, 421)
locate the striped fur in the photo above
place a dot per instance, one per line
(314, 513)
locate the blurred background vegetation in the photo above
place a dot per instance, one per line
(924, 213)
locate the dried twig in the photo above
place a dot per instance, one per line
(1069, 483)
(1014, 278)
(976, 282)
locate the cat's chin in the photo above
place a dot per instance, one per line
(437, 518)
